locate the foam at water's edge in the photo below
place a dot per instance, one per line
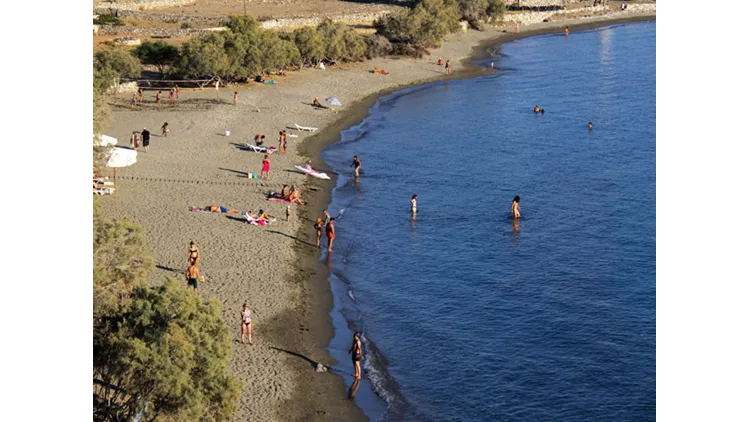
(382, 382)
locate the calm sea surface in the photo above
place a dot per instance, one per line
(467, 315)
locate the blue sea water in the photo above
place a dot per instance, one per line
(467, 314)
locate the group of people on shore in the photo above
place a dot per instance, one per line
(326, 222)
(144, 137)
(137, 98)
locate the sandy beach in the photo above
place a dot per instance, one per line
(274, 269)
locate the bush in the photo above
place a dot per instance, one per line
(475, 11)
(186, 25)
(377, 46)
(425, 25)
(114, 60)
(202, 58)
(341, 42)
(109, 19)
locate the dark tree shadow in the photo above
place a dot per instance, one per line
(164, 267)
(292, 237)
(242, 174)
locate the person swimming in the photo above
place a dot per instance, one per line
(538, 110)
(591, 125)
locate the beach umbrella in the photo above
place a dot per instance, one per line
(121, 157)
(334, 101)
(104, 140)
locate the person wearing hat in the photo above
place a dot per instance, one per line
(146, 138)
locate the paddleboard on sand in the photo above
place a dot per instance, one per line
(310, 172)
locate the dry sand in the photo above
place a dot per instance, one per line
(274, 269)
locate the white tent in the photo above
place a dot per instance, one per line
(104, 140)
(121, 157)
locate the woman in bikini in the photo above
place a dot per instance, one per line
(294, 196)
(356, 351)
(285, 192)
(414, 204)
(171, 96)
(514, 207)
(193, 254)
(247, 325)
(319, 228)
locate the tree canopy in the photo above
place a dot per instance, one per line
(158, 53)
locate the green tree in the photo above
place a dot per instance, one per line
(119, 59)
(158, 53)
(311, 45)
(165, 360)
(120, 264)
(204, 58)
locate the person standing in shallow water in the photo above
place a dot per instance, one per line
(414, 204)
(514, 207)
(330, 233)
(591, 125)
(356, 351)
(319, 223)
(356, 164)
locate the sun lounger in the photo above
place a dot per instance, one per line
(104, 191)
(104, 181)
(305, 128)
(261, 148)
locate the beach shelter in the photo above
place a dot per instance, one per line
(104, 141)
(121, 157)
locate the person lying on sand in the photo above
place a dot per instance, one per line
(380, 71)
(317, 103)
(285, 192)
(216, 208)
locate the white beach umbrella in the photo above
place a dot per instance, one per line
(121, 157)
(104, 140)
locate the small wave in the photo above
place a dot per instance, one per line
(351, 295)
(382, 382)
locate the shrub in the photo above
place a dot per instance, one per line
(186, 25)
(108, 19)
(377, 46)
(425, 25)
(116, 60)
(204, 58)
(341, 42)
(475, 11)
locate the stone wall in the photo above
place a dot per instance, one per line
(529, 18)
(104, 7)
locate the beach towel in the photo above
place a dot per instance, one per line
(197, 209)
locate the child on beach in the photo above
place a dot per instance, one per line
(171, 96)
(133, 101)
(134, 139)
(236, 96)
(158, 99)
(165, 129)
(266, 168)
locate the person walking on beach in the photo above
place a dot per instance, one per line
(356, 164)
(134, 101)
(146, 137)
(165, 129)
(266, 167)
(171, 96)
(284, 137)
(318, 226)
(140, 95)
(193, 254)
(247, 325)
(281, 142)
(158, 99)
(330, 233)
(236, 96)
(356, 351)
(192, 275)
(514, 207)
(448, 66)
(177, 91)
(414, 204)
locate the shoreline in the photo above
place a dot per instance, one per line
(360, 110)
(275, 269)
